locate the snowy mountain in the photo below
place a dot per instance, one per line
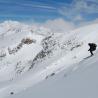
(30, 54)
(19, 44)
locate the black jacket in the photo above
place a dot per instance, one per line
(92, 46)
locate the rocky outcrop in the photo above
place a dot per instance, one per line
(19, 46)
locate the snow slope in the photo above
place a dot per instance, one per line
(48, 54)
(82, 83)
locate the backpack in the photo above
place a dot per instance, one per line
(92, 46)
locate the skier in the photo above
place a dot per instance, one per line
(92, 47)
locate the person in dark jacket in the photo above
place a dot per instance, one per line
(92, 47)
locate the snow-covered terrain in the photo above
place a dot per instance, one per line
(82, 83)
(31, 54)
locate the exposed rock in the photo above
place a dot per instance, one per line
(27, 41)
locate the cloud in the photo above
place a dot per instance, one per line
(87, 6)
(84, 23)
(62, 26)
(59, 25)
(78, 8)
(39, 6)
(78, 18)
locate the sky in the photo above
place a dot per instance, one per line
(75, 11)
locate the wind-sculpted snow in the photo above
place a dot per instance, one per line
(30, 54)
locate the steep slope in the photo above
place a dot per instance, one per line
(70, 47)
(83, 83)
(51, 54)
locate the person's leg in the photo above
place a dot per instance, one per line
(91, 52)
